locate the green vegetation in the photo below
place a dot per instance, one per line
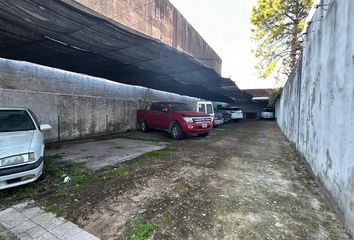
(122, 168)
(52, 169)
(57, 210)
(155, 154)
(277, 30)
(275, 96)
(166, 218)
(30, 190)
(79, 175)
(117, 170)
(141, 232)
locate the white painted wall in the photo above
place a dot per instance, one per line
(316, 110)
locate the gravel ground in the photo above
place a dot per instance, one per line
(243, 181)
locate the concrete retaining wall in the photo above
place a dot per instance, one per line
(158, 19)
(316, 110)
(75, 105)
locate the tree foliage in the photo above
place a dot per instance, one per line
(276, 94)
(277, 27)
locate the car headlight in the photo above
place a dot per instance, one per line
(18, 159)
(188, 119)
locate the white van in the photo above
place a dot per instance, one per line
(206, 107)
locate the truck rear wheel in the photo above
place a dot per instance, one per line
(176, 132)
(144, 126)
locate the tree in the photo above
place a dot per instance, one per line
(277, 27)
(276, 94)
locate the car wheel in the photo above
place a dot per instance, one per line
(203, 134)
(236, 120)
(176, 132)
(144, 126)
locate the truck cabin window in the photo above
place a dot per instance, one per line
(210, 109)
(201, 108)
(177, 107)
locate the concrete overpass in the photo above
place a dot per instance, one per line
(69, 35)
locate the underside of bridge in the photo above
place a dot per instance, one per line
(66, 35)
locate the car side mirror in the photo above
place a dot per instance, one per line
(44, 127)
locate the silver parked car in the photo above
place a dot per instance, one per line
(21, 147)
(267, 113)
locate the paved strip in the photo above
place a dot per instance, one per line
(100, 154)
(25, 221)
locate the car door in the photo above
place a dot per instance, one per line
(153, 115)
(163, 116)
(210, 110)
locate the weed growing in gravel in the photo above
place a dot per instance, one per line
(79, 175)
(122, 168)
(30, 190)
(154, 154)
(141, 231)
(52, 169)
(56, 210)
(117, 170)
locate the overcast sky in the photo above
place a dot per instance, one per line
(225, 25)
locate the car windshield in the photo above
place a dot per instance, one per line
(15, 120)
(179, 107)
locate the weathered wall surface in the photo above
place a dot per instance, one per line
(158, 19)
(75, 105)
(316, 110)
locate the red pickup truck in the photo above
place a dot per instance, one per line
(176, 118)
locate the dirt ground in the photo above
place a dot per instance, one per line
(244, 181)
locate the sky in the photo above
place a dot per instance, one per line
(225, 25)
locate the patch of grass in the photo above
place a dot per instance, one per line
(141, 231)
(56, 210)
(118, 170)
(81, 179)
(139, 160)
(52, 169)
(20, 192)
(166, 218)
(63, 190)
(154, 154)
(76, 170)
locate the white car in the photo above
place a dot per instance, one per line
(21, 147)
(267, 113)
(235, 113)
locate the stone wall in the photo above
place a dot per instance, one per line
(75, 105)
(316, 110)
(160, 20)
